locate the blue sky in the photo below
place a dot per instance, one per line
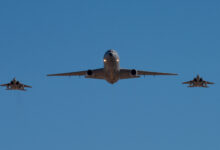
(41, 37)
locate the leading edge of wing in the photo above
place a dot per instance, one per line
(210, 82)
(94, 73)
(188, 82)
(79, 73)
(140, 72)
(28, 86)
(4, 85)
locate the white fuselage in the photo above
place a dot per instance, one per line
(111, 66)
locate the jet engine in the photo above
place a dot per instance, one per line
(133, 72)
(89, 72)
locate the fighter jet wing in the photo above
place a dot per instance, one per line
(4, 85)
(209, 82)
(188, 82)
(132, 73)
(96, 74)
(27, 86)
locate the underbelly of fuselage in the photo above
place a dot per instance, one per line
(112, 72)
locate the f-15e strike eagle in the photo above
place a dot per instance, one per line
(198, 82)
(111, 71)
(15, 85)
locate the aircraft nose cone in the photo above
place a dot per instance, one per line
(110, 54)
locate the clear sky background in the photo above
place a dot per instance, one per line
(72, 113)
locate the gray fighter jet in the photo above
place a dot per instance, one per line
(15, 85)
(111, 71)
(198, 82)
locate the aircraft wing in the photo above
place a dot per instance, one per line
(188, 82)
(131, 73)
(154, 73)
(4, 85)
(96, 74)
(209, 82)
(80, 73)
(27, 86)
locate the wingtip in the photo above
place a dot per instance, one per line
(49, 75)
(173, 74)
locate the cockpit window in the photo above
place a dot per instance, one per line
(110, 51)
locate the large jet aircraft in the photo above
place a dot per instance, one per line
(198, 82)
(111, 71)
(15, 85)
